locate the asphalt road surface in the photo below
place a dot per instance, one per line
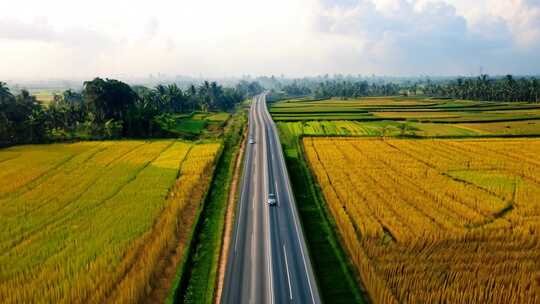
(268, 259)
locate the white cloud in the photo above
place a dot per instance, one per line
(295, 37)
(523, 17)
(414, 37)
(38, 29)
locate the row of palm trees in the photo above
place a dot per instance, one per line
(485, 88)
(107, 103)
(172, 99)
(340, 88)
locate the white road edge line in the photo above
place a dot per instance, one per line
(255, 229)
(267, 217)
(286, 176)
(242, 199)
(299, 243)
(255, 169)
(288, 275)
(253, 232)
(243, 194)
(252, 267)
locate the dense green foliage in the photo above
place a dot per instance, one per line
(108, 108)
(21, 116)
(486, 88)
(507, 88)
(340, 88)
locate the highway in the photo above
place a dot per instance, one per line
(268, 259)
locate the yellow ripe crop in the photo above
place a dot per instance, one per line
(436, 221)
(93, 222)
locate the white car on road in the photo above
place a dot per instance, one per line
(272, 199)
(251, 141)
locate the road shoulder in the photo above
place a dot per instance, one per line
(229, 221)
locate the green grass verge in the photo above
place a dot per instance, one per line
(336, 279)
(194, 126)
(198, 283)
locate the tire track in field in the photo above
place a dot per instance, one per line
(510, 157)
(405, 184)
(96, 176)
(10, 158)
(59, 216)
(387, 205)
(41, 178)
(67, 246)
(133, 176)
(457, 201)
(162, 266)
(119, 187)
(76, 212)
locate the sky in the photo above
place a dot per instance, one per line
(71, 39)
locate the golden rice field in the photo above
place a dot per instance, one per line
(417, 115)
(436, 221)
(93, 222)
(525, 127)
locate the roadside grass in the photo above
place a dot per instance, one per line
(336, 280)
(199, 281)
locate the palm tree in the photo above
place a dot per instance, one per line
(5, 94)
(4, 91)
(163, 101)
(484, 85)
(206, 99)
(536, 90)
(176, 97)
(509, 86)
(192, 97)
(216, 93)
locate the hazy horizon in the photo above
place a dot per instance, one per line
(131, 39)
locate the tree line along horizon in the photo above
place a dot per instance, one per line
(482, 88)
(108, 108)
